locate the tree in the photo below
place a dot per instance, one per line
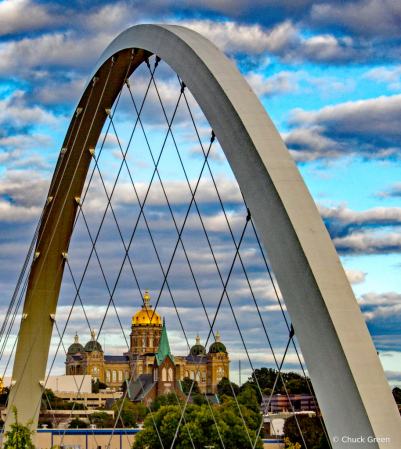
(187, 384)
(225, 387)
(267, 378)
(4, 396)
(19, 437)
(199, 426)
(311, 428)
(397, 395)
(97, 385)
(247, 408)
(77, 423)
(127, 412)
(102, 420)
(164, 400)
(200, 399)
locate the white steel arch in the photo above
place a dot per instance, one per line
(345, 370)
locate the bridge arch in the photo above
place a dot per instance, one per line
(346, 373)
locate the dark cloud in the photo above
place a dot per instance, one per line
(363, 232)
(365, 128)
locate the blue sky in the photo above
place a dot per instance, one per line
(329, 75)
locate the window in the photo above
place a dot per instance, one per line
(114, 376)
(203, 376)
(170, 374)
(108, 376)
(192, 375)
(126, 375)
(155, 375)
(198, 376)
(186, 373)
(164, 374)
(120, 376)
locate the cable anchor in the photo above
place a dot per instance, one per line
(92, 151)
(158, 59)
(64, 256)
(78, 200)
(24, 317)
(127, 83)
(108, 112)
(248, 217)
(78, 111)
(183, 86)
(64, 150)
(213, 137)
(36, 255)
(292, 332)
(53, 317)
(49, 199)
(95, 79)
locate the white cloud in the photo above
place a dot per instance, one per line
(235, 38)
(22, 15)
(355, 276)
(282, 82)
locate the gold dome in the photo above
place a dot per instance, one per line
(146, 315)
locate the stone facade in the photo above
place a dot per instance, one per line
(146, 330)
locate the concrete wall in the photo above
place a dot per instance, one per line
(64, 383)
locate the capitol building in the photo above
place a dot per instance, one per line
(147, 333)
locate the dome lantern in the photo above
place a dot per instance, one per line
(197, 349)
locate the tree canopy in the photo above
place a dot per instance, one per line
(199, 425)
(294, 382)
(186, 384)
(224, 388)
(128, 413)
(164, 400)
(312, 432)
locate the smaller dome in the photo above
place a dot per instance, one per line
(76, 347)
(217, 346)
(93, 345)
(197, 349)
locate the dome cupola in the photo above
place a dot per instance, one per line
(76, 347)
(146, 316)
(93, 345)
(217, 346)
(197, 349)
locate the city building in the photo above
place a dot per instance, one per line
(293, 402)
(147, 335)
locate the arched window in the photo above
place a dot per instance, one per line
(186, 373)
(114, 375)
(108, 375)
(155, 375)
(126, 375)
(203, 376)
(120, 376)
(170, 374)
(164, 374)
(198, 376)
(192, 374)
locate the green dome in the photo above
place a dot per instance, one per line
(217, 347)
(93, 345)
(76, 348)
(198, 350)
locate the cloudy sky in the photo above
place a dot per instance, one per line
(329, 75)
